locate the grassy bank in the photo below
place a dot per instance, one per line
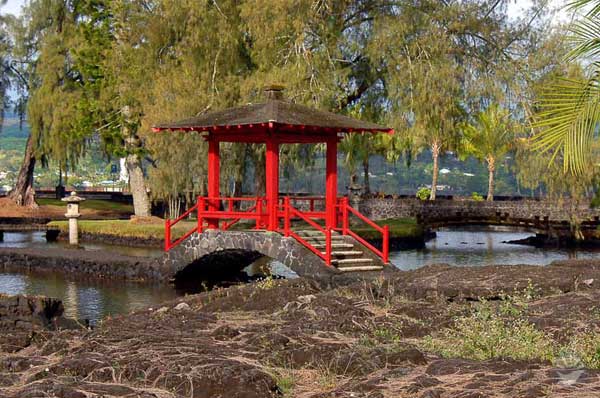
(399, 228)
(125, 228)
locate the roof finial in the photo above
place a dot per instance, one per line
(274, 92)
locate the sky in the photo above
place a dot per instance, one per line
(13, 7)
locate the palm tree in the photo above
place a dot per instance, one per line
(570, 110)
(357, 150)
(488, 138)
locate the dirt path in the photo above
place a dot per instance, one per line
(289, 338)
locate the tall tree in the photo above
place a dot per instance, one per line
(488, 138)
(441, 60)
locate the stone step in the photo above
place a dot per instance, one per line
(345, 253)
(350, 261)
(312, 232)
(335, 246)
(321, 239)
(362, 268)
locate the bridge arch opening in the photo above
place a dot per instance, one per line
(225, 268)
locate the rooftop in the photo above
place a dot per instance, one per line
(275, 113)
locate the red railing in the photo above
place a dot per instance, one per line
(211, 211)
(169, 224)
(312, 203)
(348, 210)
(290, 213)
(208, 211)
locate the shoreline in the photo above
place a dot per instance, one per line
(543, 241)
(80, 263)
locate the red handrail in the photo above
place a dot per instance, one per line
(226, 225)
(384, 253)
(289, 213)
(168, 224)
(214, 214)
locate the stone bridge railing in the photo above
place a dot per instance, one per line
(555, 212)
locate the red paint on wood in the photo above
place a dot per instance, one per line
(331, 184)
(213, 178)
(272, 182)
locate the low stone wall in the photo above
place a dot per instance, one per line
(381, 209)
(28, 312)
(80, 263)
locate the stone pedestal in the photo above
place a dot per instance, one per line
(73, 214)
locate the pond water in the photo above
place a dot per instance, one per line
(479, 246)
(93, 300)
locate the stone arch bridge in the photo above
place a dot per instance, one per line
(231, 251)
(538, 216)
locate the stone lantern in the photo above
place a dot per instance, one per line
(73, 214)
(354, 192)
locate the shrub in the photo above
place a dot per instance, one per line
(476, 197)
(423, 193)
(488, 333)
(583, 350)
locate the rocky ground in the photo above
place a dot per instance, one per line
(291, 339)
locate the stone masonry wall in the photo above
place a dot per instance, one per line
(285, 250)
(381, 209)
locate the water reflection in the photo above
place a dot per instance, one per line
(37, 239)
(88, 299)
(482, 246)
(96, 299)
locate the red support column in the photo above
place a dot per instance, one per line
(331, 184)
(272, 182)
(213, 179)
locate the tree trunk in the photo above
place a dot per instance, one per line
(137, 185)
(366, 176)
(133, 162)
(435, 153)
(23, 193)
(491, 169)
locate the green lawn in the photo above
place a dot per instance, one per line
(399, 228)
(94, 204)
(126, 228)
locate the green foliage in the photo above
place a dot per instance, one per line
(126, 228)
(490, 136)
(569, 109)
(583, 349)
(109, 70)
(489, 333)
(399, 228)
(424, 193)
(285, 381)
(476, 197)
(266, 283)
(595, 203)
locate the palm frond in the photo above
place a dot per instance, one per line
(585, 37)
(568, 122)
(582, 4)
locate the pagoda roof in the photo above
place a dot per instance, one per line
(273, 114)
